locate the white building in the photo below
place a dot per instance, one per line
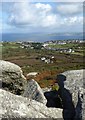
(46, 44)
(43, 58)
(47, 61)
(70, 50)
(52, 57)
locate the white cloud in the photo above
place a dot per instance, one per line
(37, 16)
(71, 8)
(76, 20)
(45, 7)
(21, 14)
(49, 20)
(42, 0)
(32, 14)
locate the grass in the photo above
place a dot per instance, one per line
(77, 53)
(70, 45)
(29, 60)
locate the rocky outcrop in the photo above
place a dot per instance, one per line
(70, 96)
(12, 78)
(14, 106)
(30, 104)
(73, 90)
(33, 91)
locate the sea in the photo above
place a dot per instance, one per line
(15, 37)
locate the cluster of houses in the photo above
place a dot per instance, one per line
(61, 50)
(67, 50)
(46, 45)
(47, 60)
(63, 42)
(25, 45)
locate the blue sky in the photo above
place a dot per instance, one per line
(40, 17)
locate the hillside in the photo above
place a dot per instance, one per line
(30, 60)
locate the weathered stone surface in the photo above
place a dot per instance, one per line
(33, 91)
(11, 77)
(14, 106)
(74, 82)
(80, 107)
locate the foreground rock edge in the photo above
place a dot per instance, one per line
(14, 106)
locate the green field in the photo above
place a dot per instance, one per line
(74, 46)
(70, 45)
(30, 61)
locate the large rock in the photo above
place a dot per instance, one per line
(11, 77)
(14, 106)
(33, 91)
(74, 83)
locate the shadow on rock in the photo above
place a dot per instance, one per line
(52, 99)
(61, 99)
(78, 108)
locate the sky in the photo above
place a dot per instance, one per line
(41, 17)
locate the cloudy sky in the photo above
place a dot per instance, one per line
(48, 17)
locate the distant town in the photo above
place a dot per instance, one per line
(62, 46)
